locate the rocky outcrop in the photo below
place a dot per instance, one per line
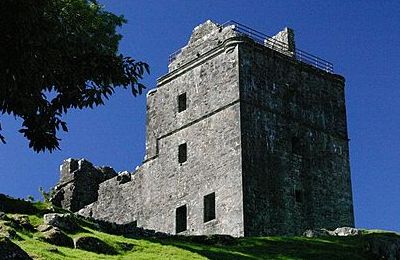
(9, 225)
(222, 240)
(9, 250)
(381, 245)
(55, 236)
(384, 247)
(317, 233)
(3, 216)
(94, 244)
(346, 232)
(21, 222)
(8, 232)
(66, 222)
(340, 232)
(79, 183)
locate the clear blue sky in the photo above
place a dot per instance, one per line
(361, 38)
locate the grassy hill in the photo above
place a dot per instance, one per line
(175, 247)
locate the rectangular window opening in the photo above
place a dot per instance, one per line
(209, 207)
(299, 196)
(296, 145)
(181, 219)
(182, 102)
(182, 153)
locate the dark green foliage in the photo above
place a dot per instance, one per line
(11, 205)
(46, 195)
(57, 55)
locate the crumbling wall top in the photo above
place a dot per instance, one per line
(209, 35)
(205, 37)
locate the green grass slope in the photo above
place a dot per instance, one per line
(182, 248)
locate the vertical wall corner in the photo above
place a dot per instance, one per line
(283, 42)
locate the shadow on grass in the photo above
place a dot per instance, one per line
(277, 248)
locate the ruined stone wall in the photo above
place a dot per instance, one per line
(295, 149)
(210, 126)
(283, 42)
(161, 185)
(209, 81)
(204, 38)
(79, 183)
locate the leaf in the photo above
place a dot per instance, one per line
(141, 87)
(2, 139)
(134, 91)
(64, 126)
(146, 66)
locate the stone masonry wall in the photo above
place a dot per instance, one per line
(204, 38)
(296, 172)
(79, 184)
(283, 42)
(210, 126)
(210, 84)
(263, 131)
(161, 185)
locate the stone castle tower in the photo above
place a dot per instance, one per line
(246, 135)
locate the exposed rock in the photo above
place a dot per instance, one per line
(125, 246)
(128, 229)
(3, 216)
(94, 244)
(9, 250)
(79, 184)
(9, 224)
(8, 232)
(21, 222)
(44, 227)
(66, 222)
(53, 250)
(225, 240)
(346, 231)
(384, 247)
(318, 233)
(341, 232)
(56, 237)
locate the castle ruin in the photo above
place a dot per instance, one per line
(246, 136)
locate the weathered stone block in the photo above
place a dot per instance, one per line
(55, 236)
(66, 222)
(94, 244)
(79, 184)
(9, 250)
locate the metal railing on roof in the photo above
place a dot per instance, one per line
(266, 40)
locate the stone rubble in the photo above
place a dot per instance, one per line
(66, 222)
(340, 232)
(56, 236)
(79, 183)
(11, 251)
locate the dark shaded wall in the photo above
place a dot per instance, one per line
(296, 172)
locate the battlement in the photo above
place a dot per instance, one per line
(209, 35)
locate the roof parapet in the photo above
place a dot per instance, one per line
(214, 34)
